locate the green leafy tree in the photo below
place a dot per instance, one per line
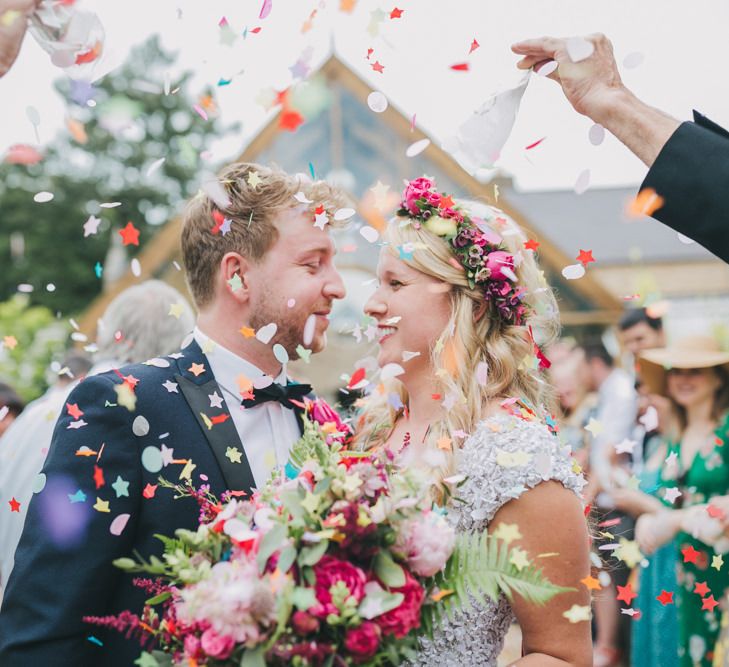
(119, 131)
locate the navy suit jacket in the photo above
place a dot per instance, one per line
(63, 565)
(691, 173)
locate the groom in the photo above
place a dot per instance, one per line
(263, 280)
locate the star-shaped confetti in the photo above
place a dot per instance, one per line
(592, 583)
(121, 487)
(74, 425)
(74, 410)
(508, 532)
(690, 555)
(289, 120)
(396, 13)
(170, 386)
(321, 219)
(594, 427)
(378, 67)
(380, 190)
(519, 558)
(247, 332)
(225, 227)
(665, 598)
(628, 552)
(129, 234)
(671, 494)
(254, 179)
(186, 472)
(626, 446)
(701, 588)
(176, 310)
(216, 401)
(708, 604)
(377, 16)
(235, 283)
(577, 613)
(303, 353)
(168, 455)
(78, 497)
(14, 505)
(585, 257)
(626, 594)
(101, 505)
(91, 226)
(196, 369)
(531, 244)
(234, 454)
(717, 561)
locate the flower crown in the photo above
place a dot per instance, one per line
(478, 249)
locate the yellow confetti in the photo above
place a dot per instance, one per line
(101, 505)
(125, 396)
(234, 454)
(508, 532)
(247, 332)
(187, 470)
(176, 310)
(594, 427)
(628, 552)
(254, 179)
(519, 558)
(512, 459)
(9, 17)
(437, 597)
(717, 561)
(577, 613)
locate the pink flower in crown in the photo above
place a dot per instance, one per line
(497, 261)
(414, 191)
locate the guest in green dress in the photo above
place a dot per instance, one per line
(694, 375)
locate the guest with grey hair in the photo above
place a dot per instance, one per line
(142, 322)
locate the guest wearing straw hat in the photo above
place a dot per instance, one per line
(694, 374)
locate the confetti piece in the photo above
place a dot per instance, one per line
(344, 214)
(43, 197)
(577, 613)
(547, 68)
(579, 49)
(535, 144)
(152, 459)
(378, 67)
(474, 46)
(119, 524)
(112, 204)
(200, 111)
(646, 202)
(77, 130)
(309, 329)
(215, 190)
(302, 198)
(140, 426)
(460, 67)
(573, 271)
(377, 102)
(22, 154)
(266, 333)
(482, 373)
(136, 268)
(390, 371)
(585, 257)
(279, 351)
(129, 234)
(396, 13)
(369, 233)
(583, 182)
(265, 9)
(358, 376)
(155, 166)
(596, 134)
(417, 148)
(289, 120)
(633, 60)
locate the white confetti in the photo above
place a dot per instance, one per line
(685, 239)
(152, 459)
(417, 148)
(369, 233)
(42, 197)
(279, 351)
(597, 134)
(302, 198)
(377, 101)
(390, 371)
(344, 213)
(140, 426)
(215, 190)
(573, 271)
(582, 182)
(265, 334)
(136, 267)
(482, 373)
(547, 68)
(155, 166)
(111, 204)
(39, 483)
(579, 49)
(407, 356)
(158, 362)
(309, 329)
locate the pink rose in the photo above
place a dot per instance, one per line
(362, 642)
(329, 571)
(400, 620)
(426, 543)
(215, 645)
(414, 191)
(304, 623)
(192, 646)
(498, 260)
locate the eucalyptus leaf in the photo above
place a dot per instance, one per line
(253, 658)
(388, 571)
(271, 541)
(286, 558)
(303, 598)
(312, 555)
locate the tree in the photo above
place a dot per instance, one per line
(117, 130)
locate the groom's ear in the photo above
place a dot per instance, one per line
(233, 276)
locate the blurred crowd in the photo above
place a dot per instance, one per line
(651, 434)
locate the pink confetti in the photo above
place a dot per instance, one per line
(412, 123)
(535, 144)
(119, 524)
(266, 9)
(223, 23)
(200, 111)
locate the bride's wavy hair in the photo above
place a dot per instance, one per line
(468, 340)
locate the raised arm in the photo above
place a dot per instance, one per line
(13, 23)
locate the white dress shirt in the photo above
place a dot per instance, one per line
(267, 431)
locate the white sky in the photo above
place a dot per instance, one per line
(684, 66)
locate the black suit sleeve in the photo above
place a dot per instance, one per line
(63, 564)
(691, 173)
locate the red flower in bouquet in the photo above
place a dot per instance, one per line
(400, 620)
(323, 414)
(329, 571)
(363, 641)
(215, 645)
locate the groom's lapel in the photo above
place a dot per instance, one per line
(197, 383)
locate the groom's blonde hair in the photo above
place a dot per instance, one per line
(256, 194)
(507, 350)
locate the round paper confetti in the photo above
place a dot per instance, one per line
(633, 59)
(119, 524)
(158, 362)
(377, 101)
(548, 68)
(685, 239)
(417, 148)
(279, 351)
(369, 233)
(573, 271)
(152, 459)
(578, 48)
(344, 213)
(39, 483)
(583, 182)
(140, 426)
(597, 134)
(390, 371)
(136, 267)
(42, 197)
(291, 303)
(262, 382)
(50, 287)
(309, 328)
(25, 288)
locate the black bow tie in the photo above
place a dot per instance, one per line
(276, 392)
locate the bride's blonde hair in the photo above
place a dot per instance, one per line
(467, 341)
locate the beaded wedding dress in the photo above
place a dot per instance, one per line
(504, 457)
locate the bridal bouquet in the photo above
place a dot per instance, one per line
(344, 560)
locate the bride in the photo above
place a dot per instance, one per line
(457, 301)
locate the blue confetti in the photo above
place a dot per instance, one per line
(94, 640)
(311, 170)
(224, 82)
(98, 270)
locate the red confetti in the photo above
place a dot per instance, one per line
(474, 46)
(356, 378)
(255, 31)
(708, 604)
(460, 67)
(665, 598)
(220, 419)
(701, 589)
(531, 244)
(14, 505)
(290, 120)
(715, 512)
(535, 144)
(396, 13)
(378, 67)
(626, 594)
(22, 154)
(369, 53)
(149, 491)
(98, 477)
(585, 257)
(690, 555)
(130, 235)
(219, 220)
(74, 411)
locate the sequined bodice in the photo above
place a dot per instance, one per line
(504, 457)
